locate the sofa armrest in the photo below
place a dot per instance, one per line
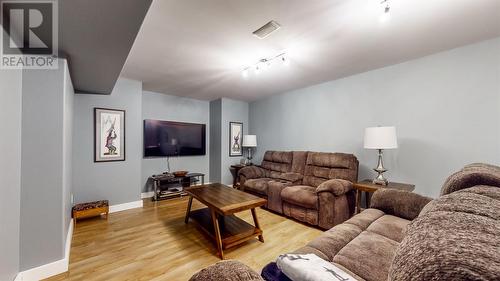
(252, 172)
(229, 270)
(399, 203)
(337, 187)
(291, 177)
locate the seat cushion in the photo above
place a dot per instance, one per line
(369, 256)
(301, 195)
(364, 219)
(257, 185)
(364, 244)
(389, 226)
(332, 241)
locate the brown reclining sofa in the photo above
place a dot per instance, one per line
(405, 236)
(312, 187)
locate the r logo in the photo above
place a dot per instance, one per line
(29, 26)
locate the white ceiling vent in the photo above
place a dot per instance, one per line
(266, 29)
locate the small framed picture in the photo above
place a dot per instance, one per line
(109, 135)
(235, 139)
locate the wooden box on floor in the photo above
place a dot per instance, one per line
(91, 209)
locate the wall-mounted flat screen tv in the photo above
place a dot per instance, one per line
(167, 138)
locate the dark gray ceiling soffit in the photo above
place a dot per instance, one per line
(96, 37)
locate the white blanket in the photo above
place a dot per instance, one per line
(310, 268)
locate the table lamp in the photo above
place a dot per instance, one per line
(380, 138)
(249, 142)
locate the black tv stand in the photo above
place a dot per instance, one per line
(166, 185)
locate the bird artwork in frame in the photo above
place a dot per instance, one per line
(109, 135)
(235, 139)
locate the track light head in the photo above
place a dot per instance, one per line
(386, 15)
(285, 60)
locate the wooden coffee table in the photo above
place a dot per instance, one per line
(218, 220)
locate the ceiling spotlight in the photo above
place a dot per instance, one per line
(257, 69)
(286, 62)
(244, 73)
(386, 15)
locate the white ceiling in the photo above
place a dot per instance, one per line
(197, 48)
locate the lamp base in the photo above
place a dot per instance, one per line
(248, 159)
(380, 179)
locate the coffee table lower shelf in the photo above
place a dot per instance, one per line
(233, 230)
(218, 220)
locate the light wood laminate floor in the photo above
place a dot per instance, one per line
(153, 243)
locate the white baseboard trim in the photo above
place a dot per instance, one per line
(148, 194)
(53, 268)
(62, 265)
(125, 206)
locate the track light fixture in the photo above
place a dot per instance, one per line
(264, 64)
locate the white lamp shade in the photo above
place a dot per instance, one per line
(250, 141)
(380, 138)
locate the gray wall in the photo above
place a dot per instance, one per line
(123, 182)
(172, 108)
(68, 102)
(223, 111)
(10, 170)
(44, 217)
(232, 111)
(119, 182)
(445, 108)
(215, 137)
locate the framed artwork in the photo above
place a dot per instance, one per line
(235, 139)
(109, 135)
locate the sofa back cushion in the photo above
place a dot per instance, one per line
(299, 161)
(455, 237)
(322, 166)
(472, 175)
(277, 162)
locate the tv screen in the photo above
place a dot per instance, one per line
(166, 138)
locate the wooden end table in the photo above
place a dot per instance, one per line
(369, 187)
(236, 168)
(218, 220)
